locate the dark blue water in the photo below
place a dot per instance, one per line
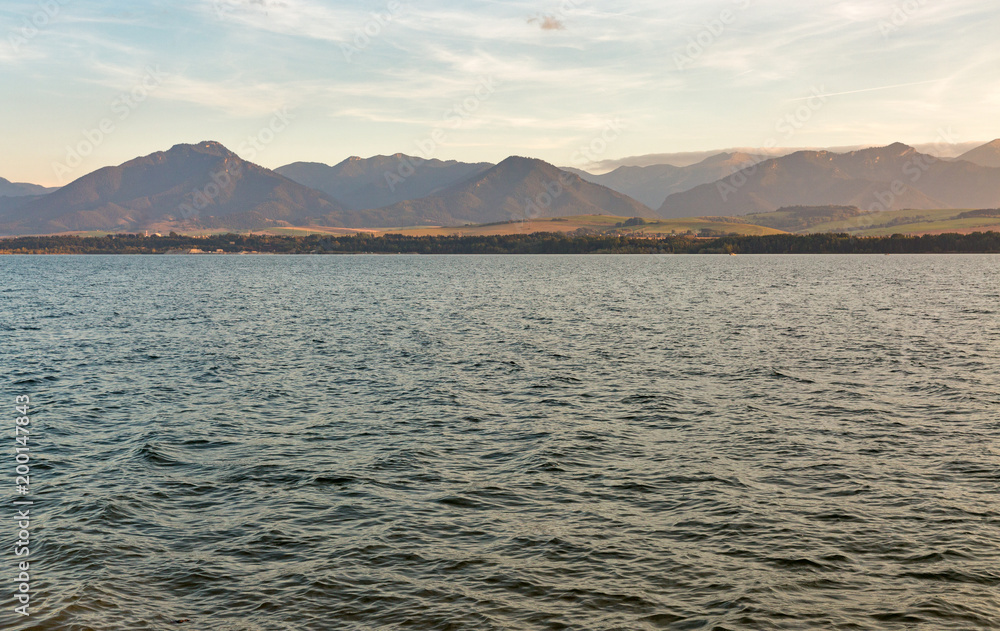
(450, 443)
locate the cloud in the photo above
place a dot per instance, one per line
(553, 90)
(884, 87)
(296, 18)
(548, 23)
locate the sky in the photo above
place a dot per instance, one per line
(91, 83)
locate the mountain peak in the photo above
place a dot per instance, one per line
(21, 189)
(736, 158)
(888, 153)
(515, 159)
(857, 178)
(895, 149)
(523, 162)
(517, 189)
(203, 185)
(210, 147)
(987, 155)
(381, 180)
(521, 167)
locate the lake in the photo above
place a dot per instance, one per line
(505, 442)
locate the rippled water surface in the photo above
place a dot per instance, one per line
(451, 443)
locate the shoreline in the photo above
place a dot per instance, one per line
(535, 243)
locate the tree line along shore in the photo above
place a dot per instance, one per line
(535, 243)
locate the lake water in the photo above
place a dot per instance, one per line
(539, 442)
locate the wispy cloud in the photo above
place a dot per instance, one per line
(297, 18)
(862, 90)
(563, 69)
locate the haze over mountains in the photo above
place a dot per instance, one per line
(651, 185)
(948, 151)
(882, 178)
(206, 186)
(987, 155)
(21, 189)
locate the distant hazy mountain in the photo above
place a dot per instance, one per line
(517, 188)
(653, 184)
(987, 155)
(940, 149)
(19, 189)
(890, 178)
(189, 186)
(364, 183)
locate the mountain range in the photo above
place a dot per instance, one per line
(987, 155)
(206, 186)
(651, 185)
(379, 181)
(882, 178)
(949, 150)
(516, 189)
(188, 186)
(20, 189)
